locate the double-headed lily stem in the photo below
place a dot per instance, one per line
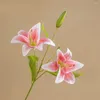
(39, 70)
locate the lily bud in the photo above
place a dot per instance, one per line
(60, 19)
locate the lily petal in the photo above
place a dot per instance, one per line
(46, 41)
(68, 54)
(60, 56)
(75, 66)
(69, 78)
(60, 76)
(19, 39)
(25, 49)
(39, 47)
(22, 32)
(34, 33)
(51, 66)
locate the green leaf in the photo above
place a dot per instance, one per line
(44, 30)
(60, 19)
(33, 66)
(53, 73)
(76, 74)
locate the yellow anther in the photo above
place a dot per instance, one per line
(62, 64)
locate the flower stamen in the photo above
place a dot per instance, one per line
(63, 64)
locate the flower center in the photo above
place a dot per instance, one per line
(62, 64)
(32, 43)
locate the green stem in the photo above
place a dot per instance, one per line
(43, 60)
(33, 84)
(45, 53)
(29, 90)
(40, 75)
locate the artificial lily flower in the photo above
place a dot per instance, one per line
(31, 39)
(65, 67)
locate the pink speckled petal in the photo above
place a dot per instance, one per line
(34, 33)
(60, 76)
(46, 41)
(68, 54)
(25, 49)
(69, 78)
(51, 66)
(19, 39)
(22, 32)
(60, 56)
(39, 47)
(74, 65)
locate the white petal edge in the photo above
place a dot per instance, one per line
(22, 32)
(68, 54)
(14, 40)
(19, 39)
(71, 79)
(59, 77)
(38, 27)
(25, 49)
(77, 66)
(60, 55)
(50, 42)
(39, 47)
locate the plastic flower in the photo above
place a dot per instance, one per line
(31, 39)
(65, 67)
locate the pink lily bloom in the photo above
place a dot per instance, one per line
(65, 67)
(31, 39)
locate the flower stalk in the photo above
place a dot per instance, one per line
(29, 90)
